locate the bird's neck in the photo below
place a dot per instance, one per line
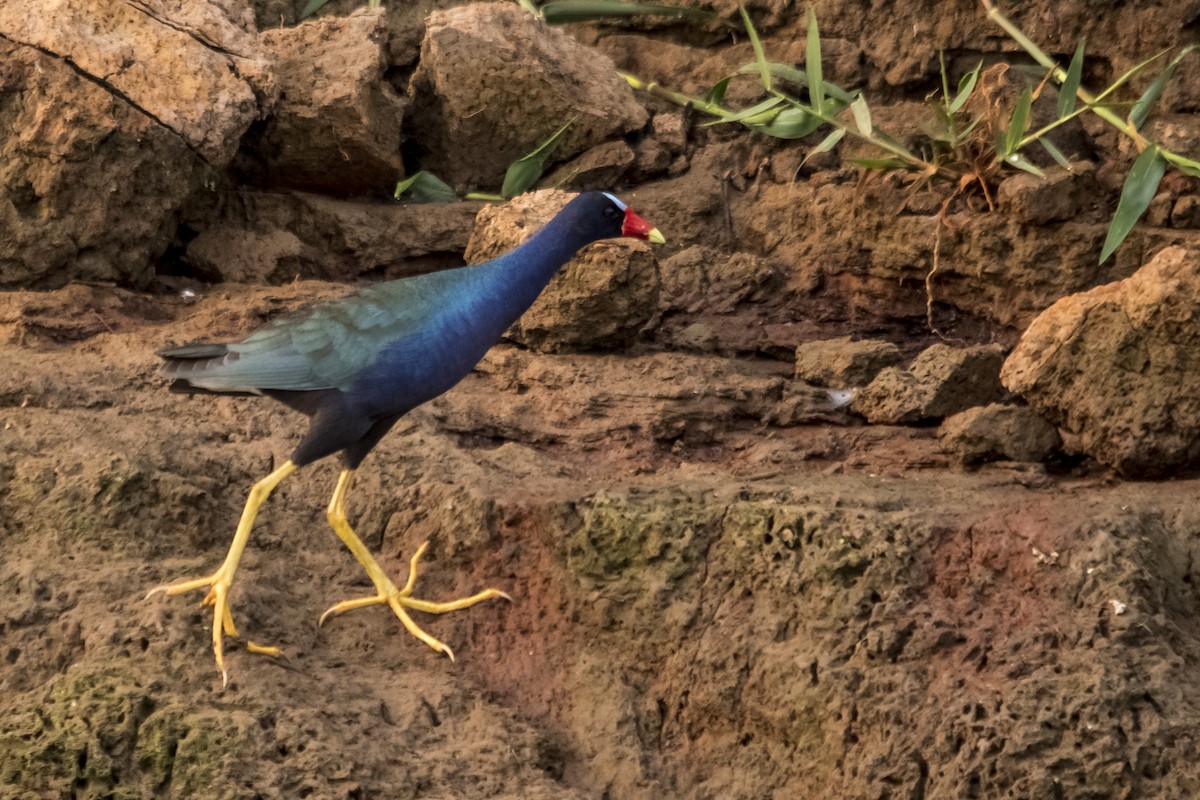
(524, 271)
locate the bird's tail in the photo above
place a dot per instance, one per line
(183, 364)
(193, 352)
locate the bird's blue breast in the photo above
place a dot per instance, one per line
(428, 361)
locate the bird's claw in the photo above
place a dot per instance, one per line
(218, 597)
(401, 599)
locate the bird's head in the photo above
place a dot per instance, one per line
(615, 219)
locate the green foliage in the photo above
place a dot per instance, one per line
(760, 58)
(1148, 169)
(521, 176)
(425, 187)
(1141, 109)
(1140, 186)
(812, 63)
(524, 173)
(862, 115)
(1070, 84)
(959, 148)
(966, 85)
(313, 6)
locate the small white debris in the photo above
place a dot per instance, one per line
(187, 294)
(1042, 558)
(1118, 607)
(840, 398)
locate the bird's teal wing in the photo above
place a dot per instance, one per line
(326, 346)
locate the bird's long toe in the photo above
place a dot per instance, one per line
(218, 598)
(401, 599)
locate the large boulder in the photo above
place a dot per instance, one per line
(941, 381)
(194, 68)
(336, 127)
(997, 431)
(601, 298)
(842, 362)
(493, 82)
(704, 279)
(273, 237)
(99, 146)
(1120, 366)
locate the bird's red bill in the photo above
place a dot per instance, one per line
(636, 227)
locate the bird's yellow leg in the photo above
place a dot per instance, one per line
(219, 582)
(399, 600)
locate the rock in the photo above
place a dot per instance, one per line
(1062, 195)
(195, 69)
(602, 298)
(1175, 132)
(336, 127)
(1119, 365)
(69, 209)
(939, 382)
(840, 362)
(599, 168)
(274, 237)
(701, 278)
(1158, 215)
(1186, 212)
(670, 130)
(698, 337)
(997, 431)
(99, 146)
(493, 82)
(651, 159)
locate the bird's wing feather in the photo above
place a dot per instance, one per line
(326, 346)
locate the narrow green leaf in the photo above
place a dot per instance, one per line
(1020, 162)
(525, 172)
(1054, 152)
(760, 58)
(1070, 84)
(790, 123)
(1141, 109)
(1187, 166)
(1140, 186)
(425, 187)
(783, 71)
(887, 138)
(1016, 126)
(787, 72)
(862, 115)
(812, 63)
(716, 95)
(529, 6)
(1129, 73)
(967, 130)
(940, 128)
(945, 78)
(826, 144)
(894, 162)
(966, 85)
(558, 12)
(747, 113)
(1001, 145)
(312, 7)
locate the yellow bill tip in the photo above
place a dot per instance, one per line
(656, 236)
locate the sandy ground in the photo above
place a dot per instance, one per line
(721, 588)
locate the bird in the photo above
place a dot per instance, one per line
(354, 366)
